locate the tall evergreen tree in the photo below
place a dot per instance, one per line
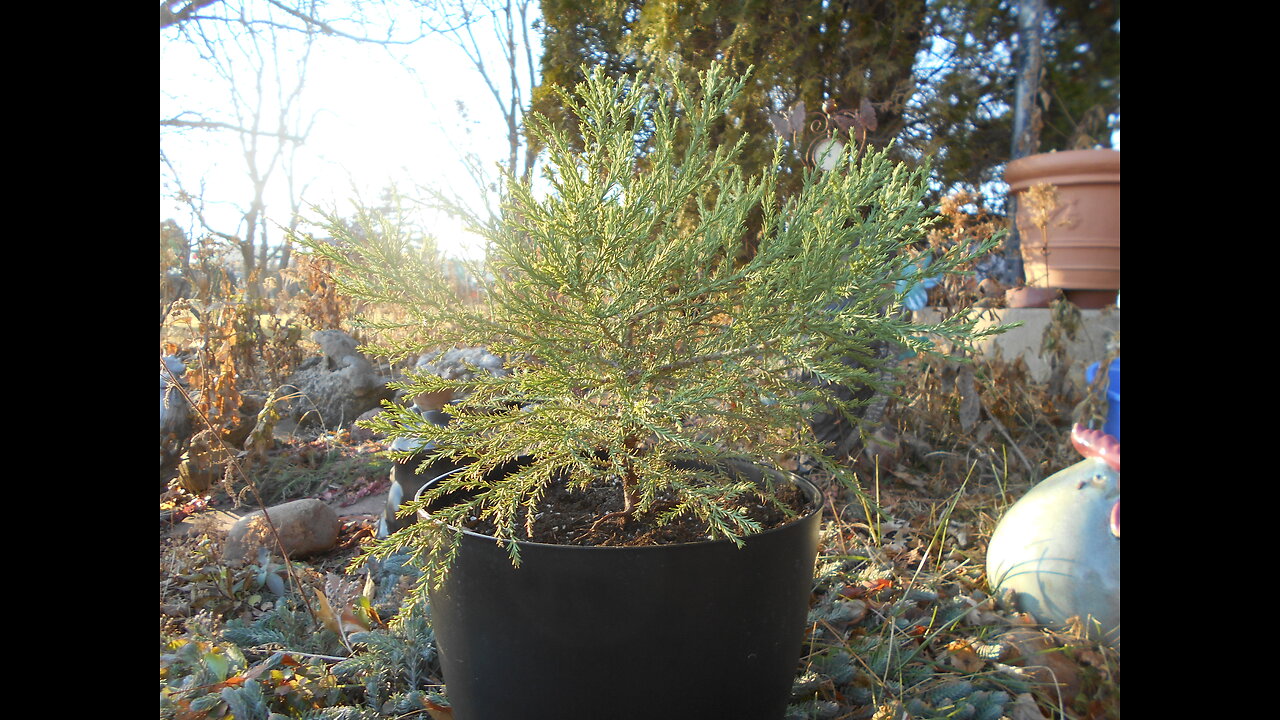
(938, 73)
(810, 50)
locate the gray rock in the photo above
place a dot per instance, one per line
(338, 389)
(305, 527)
(336, 345)
(460, 363)
(361, 434)
(176, 422)
(455, 364)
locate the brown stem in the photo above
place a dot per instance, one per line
(629, 481)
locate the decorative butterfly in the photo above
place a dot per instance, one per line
(789, 122)
(916, 291)
(792, 121)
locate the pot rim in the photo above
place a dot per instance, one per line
(1064, 167)
(808, 488)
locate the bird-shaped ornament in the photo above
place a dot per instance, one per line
(1058, 547)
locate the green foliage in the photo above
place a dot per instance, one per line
(286, 625)
(939, 73)
(316, 466)
(388, 671)
(342, 713)
(643, 323)
(810, 50)
(187, 663)
(208, 583)
(205, 679)
(960, 700)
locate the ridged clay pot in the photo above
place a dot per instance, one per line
(1079, 249)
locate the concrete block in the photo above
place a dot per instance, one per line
(1090, 345)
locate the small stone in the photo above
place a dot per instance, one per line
(305, 527)
(362, 434)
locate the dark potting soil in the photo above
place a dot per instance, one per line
(566, 516)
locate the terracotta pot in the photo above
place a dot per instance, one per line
(1029, 297)
(1078, 247)
(1091, 299)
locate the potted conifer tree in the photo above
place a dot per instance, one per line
(619, 541)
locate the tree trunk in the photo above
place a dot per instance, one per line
(1026, 112)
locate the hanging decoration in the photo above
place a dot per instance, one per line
(830, 129)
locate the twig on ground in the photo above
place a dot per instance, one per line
(1003, 431)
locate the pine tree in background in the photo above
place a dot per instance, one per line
(939, 73)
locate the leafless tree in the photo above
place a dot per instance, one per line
(510, 75)
(259, 52)
(263, 77)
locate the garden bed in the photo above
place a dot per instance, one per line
(902, 622)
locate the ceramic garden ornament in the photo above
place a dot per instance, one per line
(1059, 546)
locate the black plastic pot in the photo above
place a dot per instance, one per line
(698, 630)
(406, 481)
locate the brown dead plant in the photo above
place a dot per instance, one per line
(1041, 203)
(967, 222)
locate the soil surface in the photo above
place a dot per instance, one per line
(569, 517)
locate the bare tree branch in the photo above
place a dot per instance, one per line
(217, 125)
(328, 29)
(310, 22)
(510, 98)
(169, 16)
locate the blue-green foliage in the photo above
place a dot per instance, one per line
(396, 665)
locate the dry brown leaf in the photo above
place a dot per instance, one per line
(1024, 707)
(1043, 660)
(982, 613)
(867, 114)
(891, 710)
(963, 658)
(911, 479)
(326, 614)
(437, 711)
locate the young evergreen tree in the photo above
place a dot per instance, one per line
(637, 332)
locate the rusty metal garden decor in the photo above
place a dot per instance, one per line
(829, 129)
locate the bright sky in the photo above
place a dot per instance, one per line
(376, 123)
